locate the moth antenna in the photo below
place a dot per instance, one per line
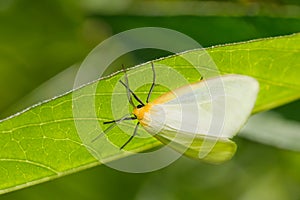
(153, 83)
(127, 87)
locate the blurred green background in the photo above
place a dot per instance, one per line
(39, 39)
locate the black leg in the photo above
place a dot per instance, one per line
(134, 95)
(104, 132)
(131, 137)
(153, 83)
(118, 120)
(115, 122)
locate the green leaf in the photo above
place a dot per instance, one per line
(273, 129)
(42, 143)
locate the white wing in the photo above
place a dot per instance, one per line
(215, 107)
(206, 148)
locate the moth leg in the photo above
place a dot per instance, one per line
(131, 137)
(114, 123)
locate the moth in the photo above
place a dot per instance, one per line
(198, 119)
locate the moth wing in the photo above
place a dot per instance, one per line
(216, 150)
(216, 107)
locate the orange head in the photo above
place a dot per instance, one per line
(140, 111)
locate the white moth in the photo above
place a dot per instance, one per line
(198, 119)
